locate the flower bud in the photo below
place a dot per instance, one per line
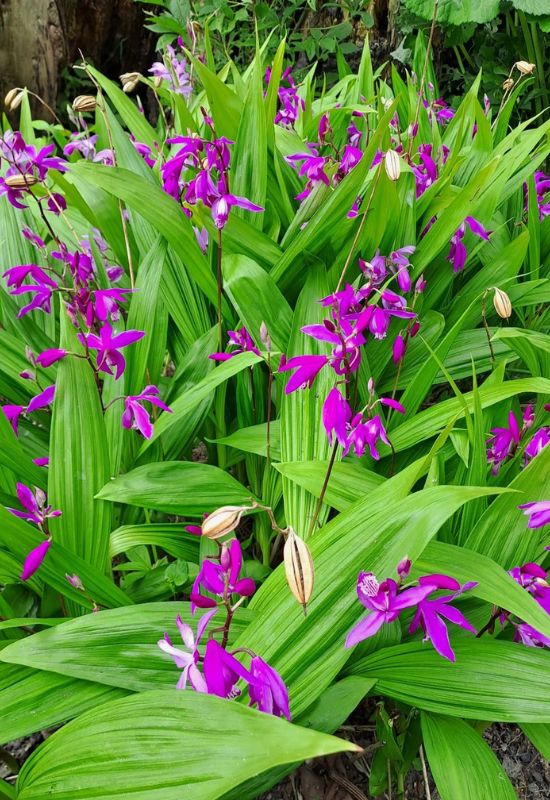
(34, 559)
(525, 67)
(420, 285)
(222, 521)
(13, 99)
(84, 102)
(265, 338)
(392, 163)
(157, 81)
(403, 568)
(129, 81)
(502, 304)
(298, 568)
(508, 83)
(75, 581)
(387, 102)
(20, 181)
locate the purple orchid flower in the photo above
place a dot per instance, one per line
(222, 671)
(307, 368)
(188, 661)
(176, 73)
(503, 442)
(49, 357)
(431, 614)
(530, 637)
(34, 559)
(536, 444)
(242, 340)
(221, 579)
(35, 504)
(267, 689)
(13, 412)
(385, 601)
(108, 345)
(458, 253)
(136, 417)
(42, 400)
(223, 205)
(537, 512)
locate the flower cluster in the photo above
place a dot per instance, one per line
(458, 253)
(534, 579)
(174, 70)
(199, 173)
(27, 166)
(290, 102)
(387, 600)
(35, 509)
(322, 162)
(504, 441)
(354, 314)
(542, 190)
(84, 143)
(241, 340)
(214, 669)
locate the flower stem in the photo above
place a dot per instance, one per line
(487, 331)
(219, 276)
(323, 490)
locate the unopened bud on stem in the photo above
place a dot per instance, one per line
(298, 568)
(502, 304)
(84, 102)
(129, 81)
(265, 338)
(222, 521)
(13, 99)
(392, 162)
(525, 67)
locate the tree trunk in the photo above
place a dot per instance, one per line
(40, 38)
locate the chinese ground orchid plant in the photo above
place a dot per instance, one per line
(247, 364)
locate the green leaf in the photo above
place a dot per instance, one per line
(169, 536)
(134, 120)
(177, 487)
(539, 734)
(79, 455)
(15, 458)
(500, 681)
(256, 298)
(461, 762)
(455, 12)
(116, 647)
(348, 482)
(163, 743)
(254, 439)
(189, 399)
(31, 700)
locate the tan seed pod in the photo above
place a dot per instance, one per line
(508, 83)
(502, 304)
(392, 162)
(157, 81)
(525, 67)
(13, 99)
(129, 81)
(265, 338)
(20, 181)
(222, 521)
(298, 568)
(84, 102)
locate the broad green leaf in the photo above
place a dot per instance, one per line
(79, 458)
(461, 762)
(13, 456)
(539, 734)
(189, 399)
(348, 480)
(135, 121)
(117, 647)
(31, 700)
(256, 298)
(177, 487)
(254, 439)
(169, 536)
(500, 681)
(163, 743)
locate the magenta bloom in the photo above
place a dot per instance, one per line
(241, 340)
(135, 416)
(49, 357)
(307, 369)
(221, 579)
(34, 559)
(538, 513)
(458, 253)
(13, 413)
(336, 415)
(530, 637)
(35, 505)
(223, 205)
(431, 614)
(222, 671)
(267, 689)
(503, 443)
(537, 443)
(188, 661)
(108, 346)
(42, 400)
(385, 601)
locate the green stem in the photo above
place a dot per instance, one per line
(530, 52)
(323, 490)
